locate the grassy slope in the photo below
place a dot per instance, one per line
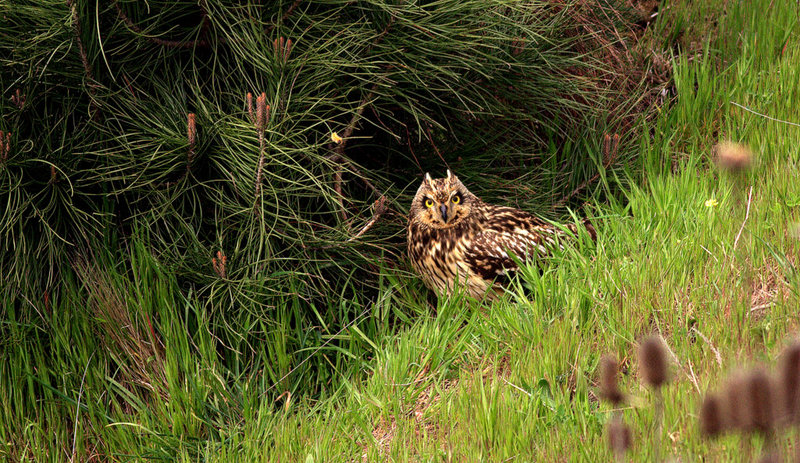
(516, 380)
(464, 383)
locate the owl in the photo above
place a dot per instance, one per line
(454, 238)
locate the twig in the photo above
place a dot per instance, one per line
(746, 215)
(337, 186)
(710, 344)
(348, 131)
(515, 386)
(290, 10)
(379, 208)
(764, 115)
(761, 306)
(163, 42)
(339, 158)
(76, 29)
(693, 377)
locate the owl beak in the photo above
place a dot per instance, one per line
(443, 209)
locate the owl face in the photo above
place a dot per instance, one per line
(441, 202)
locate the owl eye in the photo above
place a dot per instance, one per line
(429, 203)
(456, 199)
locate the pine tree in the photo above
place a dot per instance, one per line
(267, 152)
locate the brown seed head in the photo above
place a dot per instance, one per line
(733, 157)
(609, 389)
(619, 436)
(653, 361)
(735, 395)
(711, 420)
(789, 382)
(751, 393)
(762, 395)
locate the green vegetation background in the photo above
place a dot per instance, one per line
(125, 337)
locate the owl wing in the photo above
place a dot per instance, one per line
(489, 253)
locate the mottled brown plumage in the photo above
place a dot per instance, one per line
(454, 238)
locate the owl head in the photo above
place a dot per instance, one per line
(441, 202)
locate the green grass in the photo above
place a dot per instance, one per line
(120, 362)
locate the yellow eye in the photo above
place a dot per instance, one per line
(428, 203)
(456, 199)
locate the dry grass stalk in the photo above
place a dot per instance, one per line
(142, 351)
